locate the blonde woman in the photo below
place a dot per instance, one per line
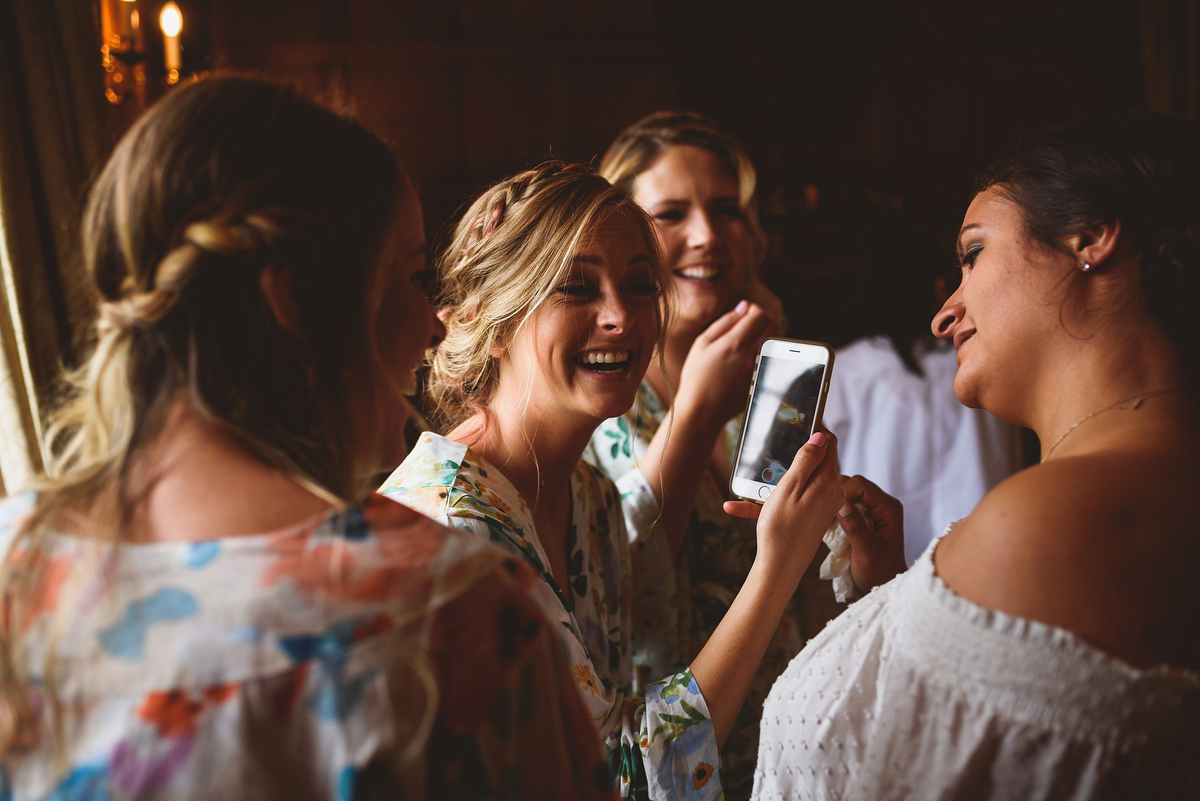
(202, 598)
(671, 454)
(553, 311)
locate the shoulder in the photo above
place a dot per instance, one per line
(1099, 544)
(13, 512)
(434, 461)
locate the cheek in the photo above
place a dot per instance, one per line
(671, 241)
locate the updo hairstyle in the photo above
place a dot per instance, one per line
(513, 245)
(639, 146)
(222, 179)
(1139, 168)
(219, 180)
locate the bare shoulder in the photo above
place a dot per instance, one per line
(1102, 544)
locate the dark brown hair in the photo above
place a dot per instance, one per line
(1141, 168)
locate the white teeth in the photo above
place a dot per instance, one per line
(700, 273)
(606, 357)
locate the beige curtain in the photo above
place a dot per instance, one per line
(54, 125)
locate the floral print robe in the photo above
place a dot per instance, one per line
(366, 653)
(681, 600)
(661, 740)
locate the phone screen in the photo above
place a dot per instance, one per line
(780, 418)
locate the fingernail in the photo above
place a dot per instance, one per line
(846, 510)
(743, 304)
(818, 438)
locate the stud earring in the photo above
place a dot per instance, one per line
(1087, 268)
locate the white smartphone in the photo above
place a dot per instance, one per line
(787, 397)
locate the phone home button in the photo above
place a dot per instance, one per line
(763, 492)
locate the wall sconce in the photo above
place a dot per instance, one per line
(124, 54)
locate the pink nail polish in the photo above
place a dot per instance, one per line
(742, 306)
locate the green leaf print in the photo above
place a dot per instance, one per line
(674, 688)
(675, 725)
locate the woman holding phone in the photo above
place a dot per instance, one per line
(553, 310)
(203, 599)
(1047, 645)
(672, 454)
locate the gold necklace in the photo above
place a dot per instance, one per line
(1132, 403)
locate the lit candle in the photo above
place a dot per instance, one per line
(171, 22)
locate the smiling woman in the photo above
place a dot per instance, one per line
(553, 310)
(1047, 645)
(671, 454)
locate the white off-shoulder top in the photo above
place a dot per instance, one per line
(916, 692)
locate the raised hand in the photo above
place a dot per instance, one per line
(716, 374)
(876, 540)
(802, 506)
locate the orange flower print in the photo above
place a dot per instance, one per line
(584, 677)
(175, 713)
(701, 775)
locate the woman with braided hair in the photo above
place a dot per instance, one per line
(202, 598)
(553, 310)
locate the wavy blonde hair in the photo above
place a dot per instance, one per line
(639, 146)
(222, 179)
(511, 248)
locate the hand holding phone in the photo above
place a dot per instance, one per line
(786, 400)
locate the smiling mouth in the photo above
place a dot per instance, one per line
(699, 272)
(604, 361)
(959, 340)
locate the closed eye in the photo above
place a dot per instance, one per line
(575, 290)
(643, 288)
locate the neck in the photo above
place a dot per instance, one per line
(1107, 373)
(537, 456)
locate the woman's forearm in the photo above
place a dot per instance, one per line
(674, 465)
(726, 666)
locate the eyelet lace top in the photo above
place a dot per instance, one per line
(916, 692)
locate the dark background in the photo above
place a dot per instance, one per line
(849, 109)
(846, 108)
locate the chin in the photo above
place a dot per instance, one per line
(967, 395)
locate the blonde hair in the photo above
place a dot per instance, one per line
(222, 179)
(512, 246)
(639, 146)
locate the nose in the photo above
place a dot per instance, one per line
(950, 316)
(701, 232)
(613, 315)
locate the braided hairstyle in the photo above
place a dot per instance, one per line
(511, 248)
(1139, 168)
(639, 146)
(221, 180)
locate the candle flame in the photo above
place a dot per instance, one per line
(171, 20)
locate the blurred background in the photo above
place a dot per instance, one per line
(853, 112)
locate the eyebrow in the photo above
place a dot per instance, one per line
(961, 231)
(680, 202)
(596, 261)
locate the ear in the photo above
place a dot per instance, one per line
(276, 287)
(1095, 245)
